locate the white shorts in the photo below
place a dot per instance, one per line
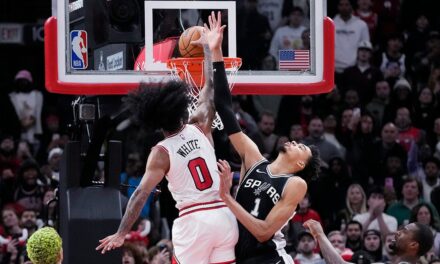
(205, 236)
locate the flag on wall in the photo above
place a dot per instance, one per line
(298, 60)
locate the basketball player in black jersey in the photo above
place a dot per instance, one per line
(411, 242)
(269, 192)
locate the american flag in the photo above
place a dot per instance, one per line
(294, 60)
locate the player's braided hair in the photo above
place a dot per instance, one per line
(161, 105)
(312, 168)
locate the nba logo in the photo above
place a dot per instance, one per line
(79, 54)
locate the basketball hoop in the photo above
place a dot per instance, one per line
(191, 70)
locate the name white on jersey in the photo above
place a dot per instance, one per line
(192, 177)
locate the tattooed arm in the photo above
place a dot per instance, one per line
(157, 166)
(329, 253)
(205, 112)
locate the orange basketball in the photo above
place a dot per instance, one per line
(185, 47)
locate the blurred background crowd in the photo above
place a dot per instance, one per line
(378, 131)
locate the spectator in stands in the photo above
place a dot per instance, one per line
(338, 242)
(407, 132)
(316, 137)
(433, 134)
(351, 98)
(28, 220)
(373, 244)
(348, 122)
(393, 55)
(28, 103)
(51, 172)
(388, 255)
(330, 103)
(157, 255)
(350, 31)
(289, 37)
(355, 203)
(28, 194)
(266, 126)
(425, 63)
(385, 147)
(296, 133)
(14, 234)
(360, 149)
(363, 75)
(376, 218)
(365, 12)
(423, 213)
(431, 180)
(304, 212)
(264, 103)
(425, 109)
(353, 232)
(8, 158)
(417, 36)
(51, 137)
(393, 174)
(48, 214)
(24, 151)
(379, 102)
(130, 254)
(330, 130)
(411, 190)
(331, 195)
(306, 245)
(246, 121)
(401, 96)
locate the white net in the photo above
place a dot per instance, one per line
(182, 70)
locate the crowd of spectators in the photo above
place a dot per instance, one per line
(378, 133)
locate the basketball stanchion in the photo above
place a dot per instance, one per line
(191, 71)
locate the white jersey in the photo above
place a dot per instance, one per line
(192, 177)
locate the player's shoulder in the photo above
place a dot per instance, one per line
(295, 186)
(296, 182)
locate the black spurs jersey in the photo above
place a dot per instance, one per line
(258, 193)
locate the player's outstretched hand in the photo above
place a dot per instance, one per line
(314, 227)
(111, 242)
(214, 33)
(225, 178)
(211, 35)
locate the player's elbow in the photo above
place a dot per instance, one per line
(263, 237)
(264, 234)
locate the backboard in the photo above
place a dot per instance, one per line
(109, 46)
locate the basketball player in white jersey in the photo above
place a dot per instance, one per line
(206, 230)
(268, 193)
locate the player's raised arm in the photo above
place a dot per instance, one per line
(157, 166)
(245, 147)
(205, 112)
(328, 251)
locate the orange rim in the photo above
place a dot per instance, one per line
(194, 66)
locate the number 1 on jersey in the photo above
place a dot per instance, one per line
(200, 173)
(254, 211)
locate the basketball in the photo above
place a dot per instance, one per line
(186, 49)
